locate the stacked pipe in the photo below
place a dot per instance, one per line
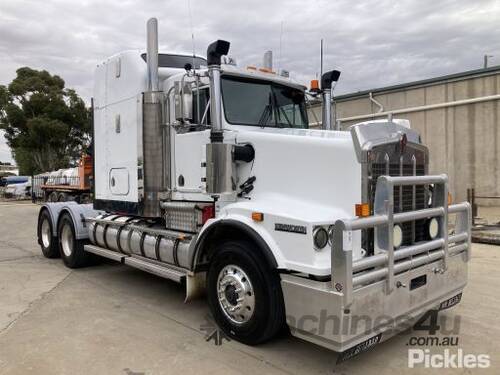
(219, 155)
(326, 87)
(151, 130)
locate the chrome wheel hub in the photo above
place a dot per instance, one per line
(45, 232)
(235, 294)
(67, 240)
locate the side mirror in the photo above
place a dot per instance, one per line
(183, 102)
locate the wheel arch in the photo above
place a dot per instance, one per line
(218, 231)
(78, 213)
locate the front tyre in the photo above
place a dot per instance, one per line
(244, 294)
(71, 249)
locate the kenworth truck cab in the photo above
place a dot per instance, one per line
(208, 175)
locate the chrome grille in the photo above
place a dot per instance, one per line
(403, 196)
(390, 159)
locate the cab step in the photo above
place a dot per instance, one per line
(154, 267)
(104, 253)
(164, 270)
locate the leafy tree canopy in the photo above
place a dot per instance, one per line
(46, 125)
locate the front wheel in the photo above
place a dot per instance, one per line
(71, 249)
(244, 294)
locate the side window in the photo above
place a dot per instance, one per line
(201, 108)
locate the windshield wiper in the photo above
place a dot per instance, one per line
(286, 117)
(279, 110)
(266, 113)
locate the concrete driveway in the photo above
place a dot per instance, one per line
(111, 319)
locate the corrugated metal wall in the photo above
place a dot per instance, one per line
(463, 140)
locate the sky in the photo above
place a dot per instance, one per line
(373, 43)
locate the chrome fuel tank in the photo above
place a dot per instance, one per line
(140, 237)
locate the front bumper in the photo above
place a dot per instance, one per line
(385, 293)
(315, 311)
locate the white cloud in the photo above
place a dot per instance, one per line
(373, 43)
(5, 155)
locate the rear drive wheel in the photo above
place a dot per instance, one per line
(244, 294)
(52, 197)
(48, 242)
(70, 248)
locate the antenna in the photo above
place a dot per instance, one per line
(192, 34)
(279, 57)
(194, 65)
(321, 59)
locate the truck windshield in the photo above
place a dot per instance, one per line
(263, 103)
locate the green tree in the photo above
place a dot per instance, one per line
(46, 125)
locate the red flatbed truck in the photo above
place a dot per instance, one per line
(72, 188)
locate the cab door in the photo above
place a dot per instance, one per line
(189, 150)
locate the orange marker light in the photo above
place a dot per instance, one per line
(257, 216)
(450, 199)
(314, 85)
(251, 67)
(363, 210)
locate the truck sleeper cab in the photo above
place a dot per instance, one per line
(223, 187)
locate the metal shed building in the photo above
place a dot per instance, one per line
(457, 116)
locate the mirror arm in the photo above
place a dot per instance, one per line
(197, 99)
(183, 119)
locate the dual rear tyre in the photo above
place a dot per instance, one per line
(71, 249)
(65, 244)
(46, 239)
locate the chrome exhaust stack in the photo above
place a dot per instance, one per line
(220, 167)
(152, 54)
(215, 51)
(326, 87)
(152, 137)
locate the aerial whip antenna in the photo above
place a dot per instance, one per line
(194, 64)
(321, 59)
(279, 55)
(192, 32)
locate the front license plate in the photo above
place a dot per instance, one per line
(450, 302)
(360, 348)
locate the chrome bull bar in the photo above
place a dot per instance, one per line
(386, 262)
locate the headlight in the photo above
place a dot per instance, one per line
(433, 228)
(320, 238)
(397, 236)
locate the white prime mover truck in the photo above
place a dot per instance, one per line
(208, 175)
